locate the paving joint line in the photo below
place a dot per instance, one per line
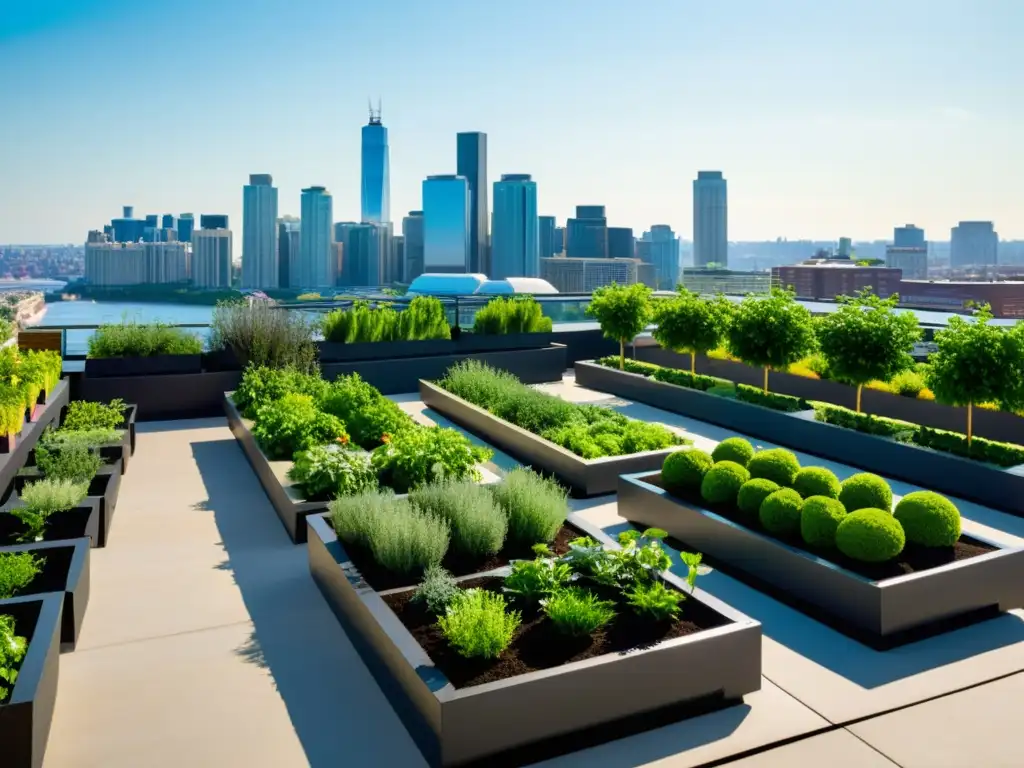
(150, 638)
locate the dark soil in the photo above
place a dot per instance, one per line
(53, 577)
(537, 644)
(913, 559)
(72, 524)
(381, 579)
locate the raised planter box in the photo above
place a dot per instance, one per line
(128, 425)
(13, 461)
(588, 477)
(65, 570)
(81, 522)
(466, 344)
(453, 726)
(104, 367)
(885, 611)
(26, 715)
(986, 484)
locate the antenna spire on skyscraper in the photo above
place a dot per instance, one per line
(375, 114)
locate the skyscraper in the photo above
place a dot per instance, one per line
(547, 230)
(710, 219)
(660, 248)
(186, 223)
(908, 236)
(621, 244)
(259, 232)
(412, 233)
(973, 243)
(446, 224)
(213, 221)
(316, 269)
(471, 164)
(288, 234)
(365, 254)
(211, 258)
(586, 235)
(515, 240)
(375, 176)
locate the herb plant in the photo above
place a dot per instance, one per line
(428, 454)
(327, 471)
(655, 600)
(535, 506)
(261, 334)
(261, 386)
(294, 424)
(578, 612)
(83, 414)
(17, 570)
(532, 580)
(511, 314)
(42, 499)
(12, 650)
(477, 523)
(437, 590)
(76, 463)
(478, 625)
(61, 439)
(130, 339)
(368, 415)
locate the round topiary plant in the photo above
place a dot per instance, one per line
(816, 481)
(684, 470)
(778, 465)
(752, 493)
(780, 512)
(870, 535)
(722, 482)
(820, 516)
(734, 449)
(865, 491)
(928, 519)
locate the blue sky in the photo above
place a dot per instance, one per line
(827, 118)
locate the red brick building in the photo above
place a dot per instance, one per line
(827, 281)
(1006, 298)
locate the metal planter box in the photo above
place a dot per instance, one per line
(466, 344)
(155, 365)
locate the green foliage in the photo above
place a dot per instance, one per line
(364, 322)
(907, 384)
(734, 449)
(42, 499)
(780, 512)
(533, 580)
(752, 493)
(816, 481)
(611, 434)
(655, 600)
(12, 409)
(536, 507)
(47, 362)
(820, 517)
(368, 415)
(262, 335)
(623, 311)
(83, 414)
(870, 535)
(64, 439)
(785, 403)
(477, 522)
(328, 471)
(261, 386)
(775, 464)
(721, 483)
(426, 455)
(865, 491)
(684, 470)
(771, 332)
(862, 422)
(689, 323)
(437, 590)
(667, 375)
(477, 624)
(511, 314)
(578, 612)
(12, 650)
(294, 424)
(17, 570)
(76, 463)
(928, 519)
(979, 449)
(129, 339)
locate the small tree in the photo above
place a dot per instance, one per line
(771, 331)
(623, 311)
(691, 324)
(864, 339)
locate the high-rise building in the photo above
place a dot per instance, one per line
(376, 171)
(259, 232)
(908, 236)
(621, 244)
(570, 275)
(559, 240)
(973, 243)
(166, 262)
(186, 223)
(128, 229)
(168, 221)
(211, 258)
(446, 224)
(471, 164)
(908, 252)
(109, 263)
(213, 221)
(515, 239)
(398, 259)
(412, 235)
(288, 234)
(316, 269)
(586, 236)
(660, 248)
(547, 229)
(365, 254)
(710, 220)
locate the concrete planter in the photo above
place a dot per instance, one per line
(154, 365)
(21, 451)
(455, 726)
(881, 610)
(26, 715)
(986, 484)
(588, 477)
(466, 344)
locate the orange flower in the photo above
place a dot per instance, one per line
(385, 439)
(343, 439)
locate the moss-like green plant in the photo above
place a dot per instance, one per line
(865, 491)
(780, 512)
(820, 516)
(816, 481)
(752, 493)
(684, 470)
(776, 464)
(929, 519)
(722, 483)
(478, 624)
(734, 449)
(870, 535)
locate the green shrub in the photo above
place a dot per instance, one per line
(83, 414)
(532, 580)
(684, 470)
(12, 409)
(478, 625)
(328, 471)
(734, 449)
(780, 512)
(76, 463)
(42, 499)
(64, 439)
(368, 416)
(691, 380)
(816, 481)
(928, 519)
(819, 518)
(870, 535)
(981, 449)
(512, 314)
(424, 455)
(48, 362)
(775, 464)
(535, 506)
(262, 335)
(721, 483)
(364, 322)
(907, 384)
(477, 523)
(630, 366)
(130, 339)
(865, 491)
(294, 424)
(748, 394)
(12, 650)
(863, 422)
(425, 318)
(437, 590)
(17, 570)
(578, 612)
(752, 493)
(262, 386)
(654, 600)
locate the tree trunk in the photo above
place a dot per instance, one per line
(970, 425)
(693, 362)
(860, 390)
(766, 369)
(622, 354)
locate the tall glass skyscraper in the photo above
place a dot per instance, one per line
(660, 248)
(186, 223)
(710, 219)
(259, 232)
(288, 245)
(446, 224)
(973, 243)
(471, 163)
(908, 236)
(621, 244)
(365, 254)
(547, 237)
(586, 235)
(316, 269)
(376, 171)
(515, 241)
(412, 233)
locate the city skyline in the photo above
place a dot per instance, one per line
(805, 148)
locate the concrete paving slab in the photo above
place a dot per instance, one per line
(837, 749)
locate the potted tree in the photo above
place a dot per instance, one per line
(771, 331)
(623, 311)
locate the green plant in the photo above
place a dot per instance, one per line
(816, 481)
(531, 580)
(425, 318)
(752, 493)
(691, 324)
(12, 650)
(477, 624)
(734, 449)
(437, 590)
(775, 464)
(978, 449)
(785, 403)
(426, 455)
(771, 331)
(17, 570)
(819, 518)
(64, 439)
(263, 335)
(535, 506)
(12, 409)
(512, 314)
(908, 384)
(928, 519)
(294, 424)
(477, 522)
(870, 535)
(129, 339)
(84, 414)
(261, 386)
(47, 363)
(863, 422)
(622, 311)
(42, 499)
(865, 491)
(655, 600)
(76, 463)
(327, 471)
(684, 470)
(400, 537)
(780, 512)
(722, 483)
(578, 612)
(369, 417)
